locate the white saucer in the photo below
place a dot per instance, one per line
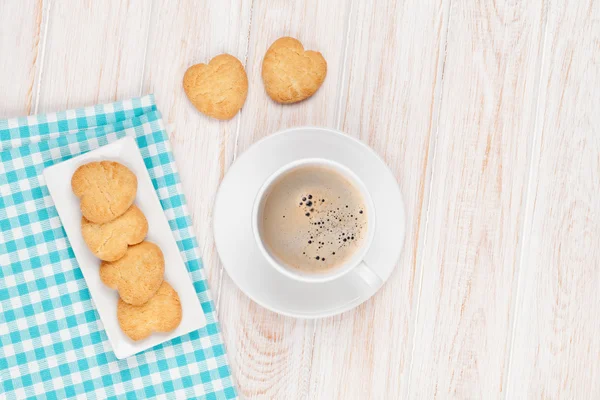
(237, 246)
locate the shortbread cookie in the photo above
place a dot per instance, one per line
(218, 89)
(109, 241)
(290, 73)
(106, 190)
(137, 275)
(162, 313)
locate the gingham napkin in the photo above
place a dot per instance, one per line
(52, 343)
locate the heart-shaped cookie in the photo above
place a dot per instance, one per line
(290, 73)
(106, 190)
(219, 88)
(109, 241)
(137, 275)
(162, 313)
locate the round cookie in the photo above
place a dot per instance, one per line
(219, 88)
(290, 73)
(137, 275)
(162, 313)
(109, 241)
(106, 190)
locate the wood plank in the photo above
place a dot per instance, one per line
(94, 53)
(21, 42)
(556, 350)
(476, 205)
(270, 354)
(320, 26)
(183, 34)
(391, 89)
(187, 33)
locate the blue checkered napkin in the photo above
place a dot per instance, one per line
(16, 132)
(52, 343)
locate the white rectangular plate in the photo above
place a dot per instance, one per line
(58, 180)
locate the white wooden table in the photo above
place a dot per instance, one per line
(487, 111)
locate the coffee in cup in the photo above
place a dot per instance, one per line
(313, 219)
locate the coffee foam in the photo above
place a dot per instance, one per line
(313, 219)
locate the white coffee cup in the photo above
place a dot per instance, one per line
(355, 264)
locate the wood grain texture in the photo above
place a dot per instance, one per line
(270, 354)
(21, 25)
(394, 58)
(94, 53)
(185, 34)
(320, 26)
(556, 350)
(477, 200)
(487, 113)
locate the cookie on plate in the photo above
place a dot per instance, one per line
(290, 73)
(109, 241)
(219, 88)
(106, 190)
(137, 275)
(162, 313)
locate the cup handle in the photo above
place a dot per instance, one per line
(367, 275)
